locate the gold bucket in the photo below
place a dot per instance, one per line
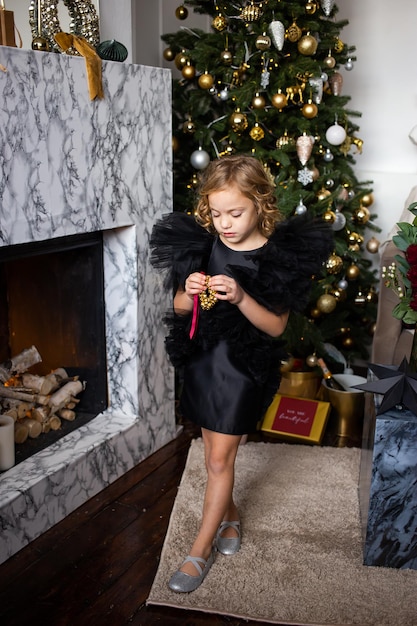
(299, 384)
(346, 416)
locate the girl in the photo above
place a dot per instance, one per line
(237, 270)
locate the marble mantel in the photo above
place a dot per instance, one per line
(70, 165)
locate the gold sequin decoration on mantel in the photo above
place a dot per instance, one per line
(84, 21)
(208, 297)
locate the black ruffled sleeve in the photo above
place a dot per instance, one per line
(287, 263)
(179, 246)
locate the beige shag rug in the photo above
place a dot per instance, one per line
(301, 555)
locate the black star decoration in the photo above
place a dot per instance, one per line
(398, 385)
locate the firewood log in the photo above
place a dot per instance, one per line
(21, 432)
(67, 414)
(40, 384)
(34, 427)
(59, 399)
(19, 363)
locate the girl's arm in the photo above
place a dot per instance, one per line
(227, 288)
(184, 298)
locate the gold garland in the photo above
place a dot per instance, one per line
(84, 21)
(208, 297)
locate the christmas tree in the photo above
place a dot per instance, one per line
(267, 80)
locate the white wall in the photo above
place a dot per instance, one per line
(383, 83)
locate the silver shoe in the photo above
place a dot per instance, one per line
(180, 582)
(228, 545)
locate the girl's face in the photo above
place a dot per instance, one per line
(235, 219)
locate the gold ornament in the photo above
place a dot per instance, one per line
(263, 42)
(208, 297)
(257, 133)
(284, 140)
(309, 110)
(361, 215)
(373, 245)
(188, 127)
(238, 121)
(181, 59)
(84, 22)
(311, 7)
(258, 101)
(348, 342)
(339, 294)
(226, 57)
(338, 45)
(307, 45)
(40, 44)
(329, 61)
(315, 313)
(169, 54)
(279, 100)
(326, 303)
(293, 33)
(323, 194)
(334, 264)
(181, 12)
(367, 199)
(352, 272)
(205, 81)
(175, 144)
(219, 23)
(329, 217)
(251, 13)
(188, 71)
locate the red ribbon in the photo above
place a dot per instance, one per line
(194, 321)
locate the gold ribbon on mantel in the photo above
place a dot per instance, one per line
(92, 60)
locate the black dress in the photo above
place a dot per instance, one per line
(231, 369)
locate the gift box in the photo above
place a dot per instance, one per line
(297, 419)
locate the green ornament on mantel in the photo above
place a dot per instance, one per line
(112, 50)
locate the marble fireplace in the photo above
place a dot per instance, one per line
(71, 166)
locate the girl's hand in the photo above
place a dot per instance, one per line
(195, 283)
(226, 288)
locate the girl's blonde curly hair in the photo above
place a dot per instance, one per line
(253, 182)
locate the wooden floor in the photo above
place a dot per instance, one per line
(97, 565)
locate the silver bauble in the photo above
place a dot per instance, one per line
(200, 159)
(343, 284)
(328, 156)
(349, 65)
(339, 221)
(277, 31)
(301, 208)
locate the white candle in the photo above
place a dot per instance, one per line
(7, 456)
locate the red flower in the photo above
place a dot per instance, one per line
(411, 254)
(412, 276)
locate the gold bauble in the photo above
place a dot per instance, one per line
(311, 8)
(219, 23)
(251, 13)
(238, 121)
(188, 127)
(205, 81)
(367, 199)
(188, 71)
(169, 54)
(307, 45)
(352, 272)
(258, 101)
(284, 140)
(40, 44)
(373, 245)
(316, 173)
(181, 59)
(257, 133)
(338, 45)
(323, 194)
(361, 215)
(279, 100)
(181, 12)
(329, 217)
(329, 62)
(226, 57)
(326, 303)
(334, 264)
(263, 42)
(293, 33)
(309, 110)
(339, 294)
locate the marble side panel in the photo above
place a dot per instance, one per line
(71, 165)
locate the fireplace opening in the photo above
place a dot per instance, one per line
(52, 297)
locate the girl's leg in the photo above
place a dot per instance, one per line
(220, 453)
